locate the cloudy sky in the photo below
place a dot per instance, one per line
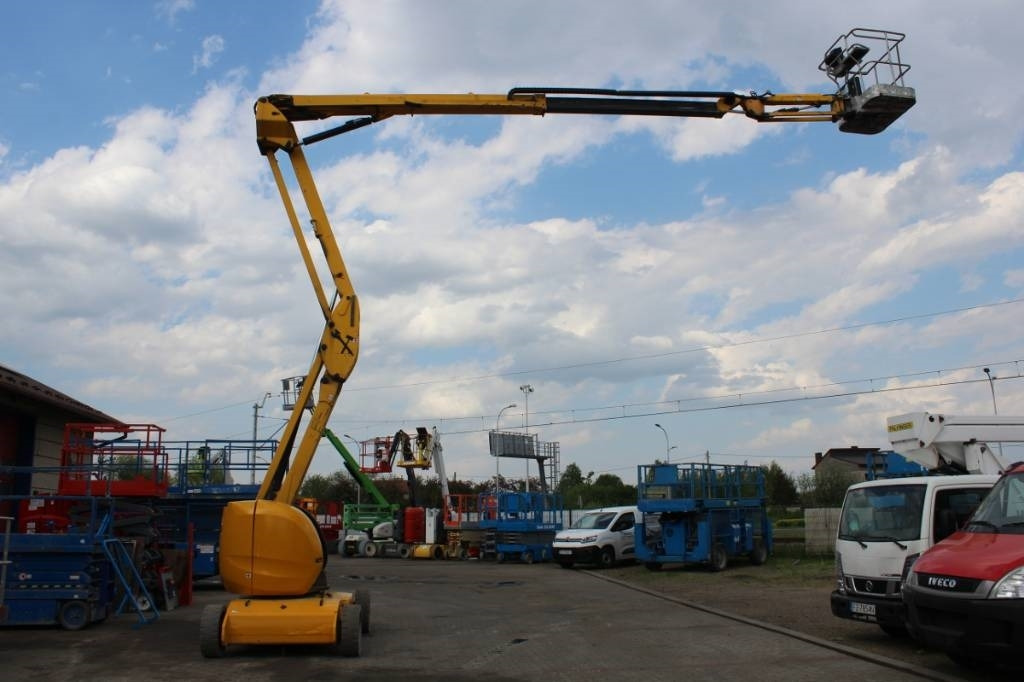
(761, 291)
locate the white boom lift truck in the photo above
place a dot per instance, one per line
(887, 524)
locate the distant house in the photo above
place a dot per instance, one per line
(32, 419)
(852, 460)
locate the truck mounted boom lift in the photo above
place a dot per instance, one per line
(949, 444)
(271, 554)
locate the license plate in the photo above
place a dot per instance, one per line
(862, 609)
(565, 551)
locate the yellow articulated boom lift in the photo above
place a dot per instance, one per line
(270, 553)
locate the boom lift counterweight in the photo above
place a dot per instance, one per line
(271, 553)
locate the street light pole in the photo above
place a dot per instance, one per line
(668, 449)
(527, 389)
(256, 407)
(497, 456)
(992, 388)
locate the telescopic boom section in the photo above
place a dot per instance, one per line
(276, 113)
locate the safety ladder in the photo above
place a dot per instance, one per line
(490, 543)
(131, 582)
(4, 563)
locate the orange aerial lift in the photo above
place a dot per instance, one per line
(271, 554)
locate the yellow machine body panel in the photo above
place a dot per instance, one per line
(310, 620)
(269, 548)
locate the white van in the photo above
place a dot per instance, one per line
(600, 536)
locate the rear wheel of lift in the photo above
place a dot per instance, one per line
(210, 643)
(527, 557)
(606, 558)
(759, 554)
(500, 557)
(719, 559)
(370, 550)
(350, 634)
(404, 551)
(362, 598)
(73, 615)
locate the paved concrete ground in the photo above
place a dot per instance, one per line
(455, 621)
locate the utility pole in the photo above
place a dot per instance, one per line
(256, 407)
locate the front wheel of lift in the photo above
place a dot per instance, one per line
(349, 640)
(73, 615)
(362, 598)
(210, 643)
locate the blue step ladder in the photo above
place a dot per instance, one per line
(135, 592)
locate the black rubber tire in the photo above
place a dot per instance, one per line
(350, 634)
(527, 557)
(653, 566)
(370, 550)
(719, 559)
(404, 551)
(606, 559)
(759, 554)
(500, 557)
(210, 643)
(73, 615)
(362, 598)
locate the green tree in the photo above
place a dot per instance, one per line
(826, 487)
(571, 478)
(780, 488)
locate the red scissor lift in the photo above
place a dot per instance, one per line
(118, 460)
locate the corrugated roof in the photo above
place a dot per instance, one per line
(27, 387)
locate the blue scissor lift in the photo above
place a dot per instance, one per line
(701, 513)
(519, 524)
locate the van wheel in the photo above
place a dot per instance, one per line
(607, 558)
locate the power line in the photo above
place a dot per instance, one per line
(738, 395)
(698, 349)
(598, 363)
(711, 408)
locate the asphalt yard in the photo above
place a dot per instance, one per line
(466, 620)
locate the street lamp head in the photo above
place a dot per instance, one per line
(986, 370)
(658, 425)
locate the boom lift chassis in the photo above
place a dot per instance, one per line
(271, 553)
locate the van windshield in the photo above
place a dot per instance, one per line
(1003, 510)
(882, 513)
(595, 521)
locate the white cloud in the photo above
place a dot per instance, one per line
(212, 47)
(170, 9)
